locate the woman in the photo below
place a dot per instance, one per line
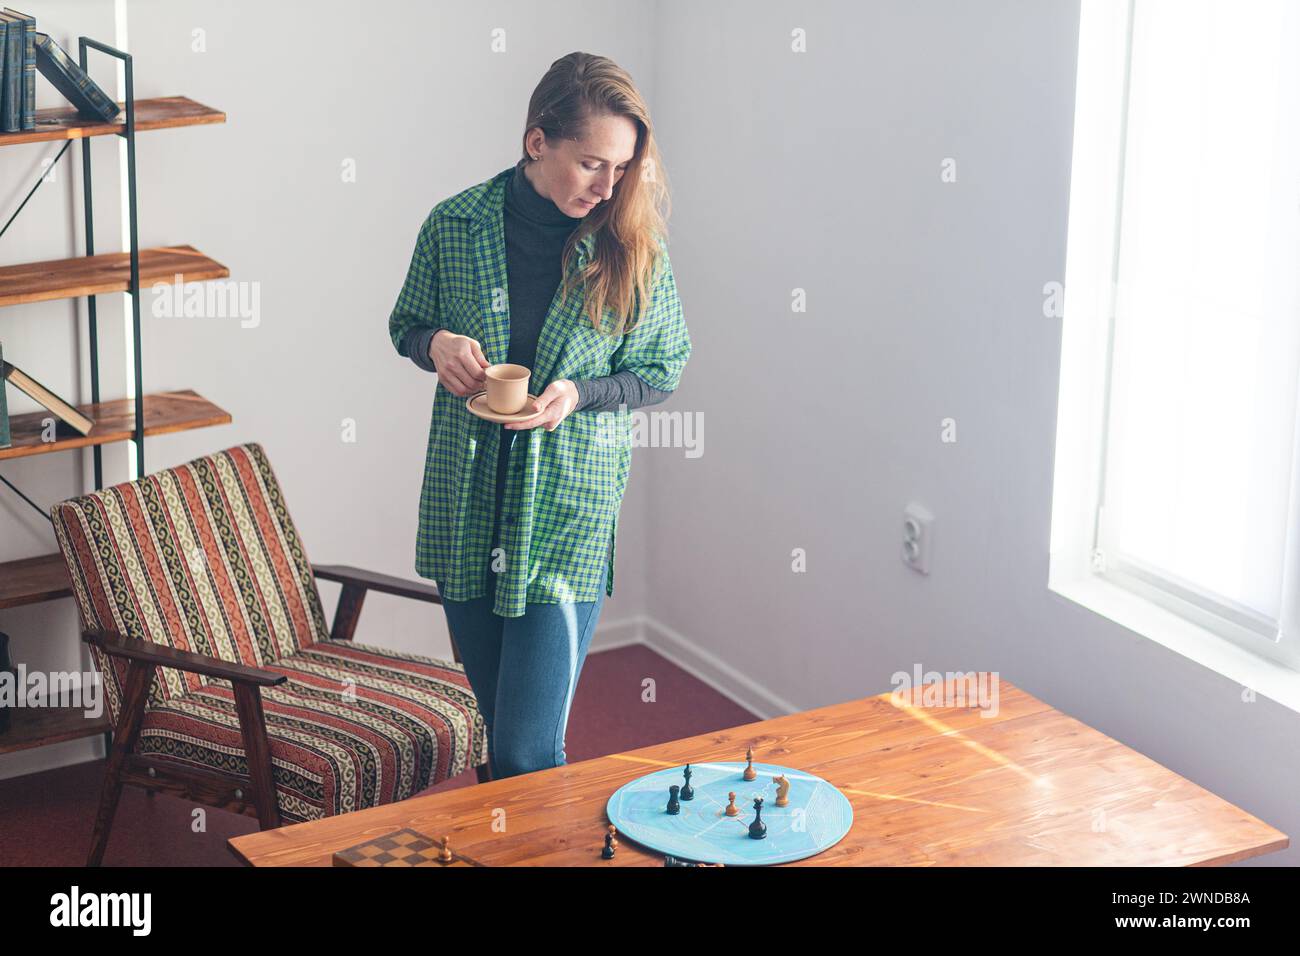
(558, 264)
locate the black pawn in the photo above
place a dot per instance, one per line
(688, 792)
(608, 852)
(673, 806)
(758, 829)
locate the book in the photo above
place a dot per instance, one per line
(10, 102)
(27, 120)
(5, 440)
(44, 397)
(71, 80)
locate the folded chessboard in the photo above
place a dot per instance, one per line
(403, 848)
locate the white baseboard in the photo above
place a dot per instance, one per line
(622, 632)
(700, 664)
(51, 757)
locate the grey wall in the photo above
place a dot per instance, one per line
(817, 171)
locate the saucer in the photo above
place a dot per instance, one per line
(477, 405)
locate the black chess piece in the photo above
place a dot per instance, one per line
(670, 860)
(673, 806)
(758, 829)
(688, 792)
(608, 852)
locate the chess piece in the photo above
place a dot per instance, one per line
(750, 773)
(688, 792)
(613, 836)
(782, 790)
(444, 855)
(670, 860)
(673, 806)
(758, 829)
(732, 809)
(608, 852)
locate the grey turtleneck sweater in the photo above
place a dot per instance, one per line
(536, 230)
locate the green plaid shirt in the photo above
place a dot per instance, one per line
(563, 487)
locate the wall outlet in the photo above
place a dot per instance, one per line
(918, 538)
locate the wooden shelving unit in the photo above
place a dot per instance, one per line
(167, 112)
(33, 580)
(164, 413)
(45, 577)
(37, 726)
(94, 275)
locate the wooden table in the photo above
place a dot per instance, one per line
(929, 785)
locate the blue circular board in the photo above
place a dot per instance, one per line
(816, 818)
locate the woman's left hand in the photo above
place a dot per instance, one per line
(553, 406)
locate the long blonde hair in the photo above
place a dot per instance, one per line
(625, 260)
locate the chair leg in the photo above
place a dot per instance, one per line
(135, 697)
(252, 721)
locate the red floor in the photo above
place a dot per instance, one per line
(45, 818)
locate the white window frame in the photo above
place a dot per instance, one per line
(1083, 565)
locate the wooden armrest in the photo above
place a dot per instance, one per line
(373, 581)
(357, 583)
(148, 652)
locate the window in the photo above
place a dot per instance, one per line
(1178, 459)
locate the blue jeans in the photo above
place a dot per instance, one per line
(524, 671)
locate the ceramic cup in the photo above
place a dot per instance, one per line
(507, 388)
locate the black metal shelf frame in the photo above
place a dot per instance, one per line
(128, 133)
(134, 291)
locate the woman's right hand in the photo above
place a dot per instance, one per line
(459, 361)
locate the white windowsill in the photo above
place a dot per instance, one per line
(1267, 678)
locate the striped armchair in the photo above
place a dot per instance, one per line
(223, 683)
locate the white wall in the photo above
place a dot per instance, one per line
(818, 171)
(48, 340)
(264, 194)
(925, 301)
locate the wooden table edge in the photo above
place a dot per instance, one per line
(1281, 841)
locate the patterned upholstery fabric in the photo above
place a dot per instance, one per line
(204, 557)
(412, 722)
